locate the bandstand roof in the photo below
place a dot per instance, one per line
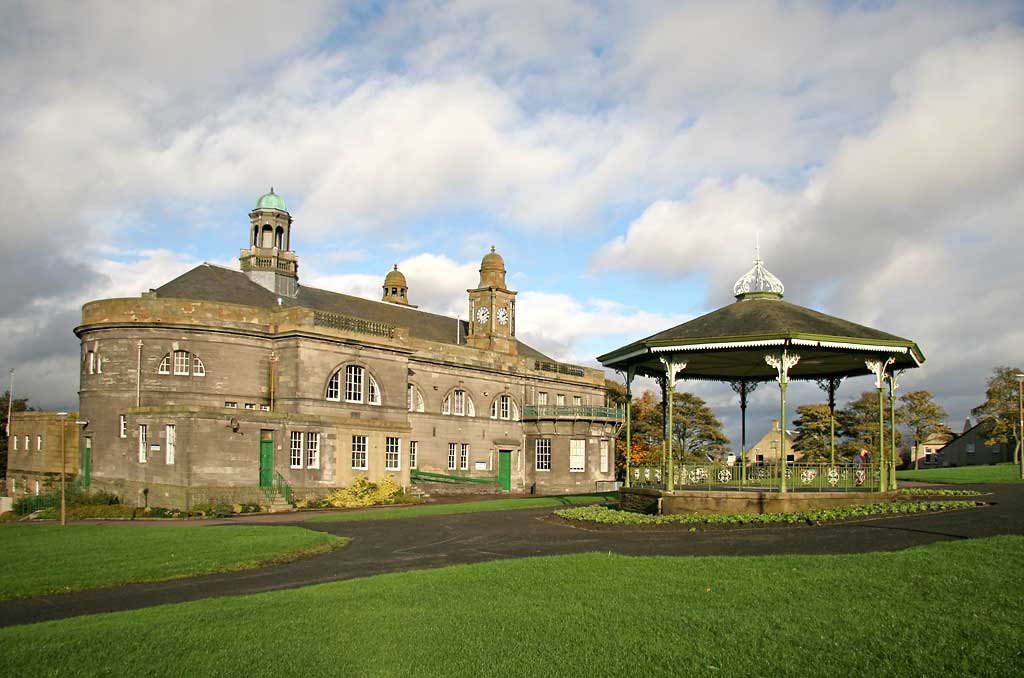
(730, 343)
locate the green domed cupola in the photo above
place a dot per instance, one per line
(269, 261)
(271, 201)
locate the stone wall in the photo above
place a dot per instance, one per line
(639, 500)
(643, 500)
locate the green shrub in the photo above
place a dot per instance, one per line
(607, 516)
(930, 492)
(362, 492)
(212, 510)
(101, 497)
(159, 512)
(312, 503)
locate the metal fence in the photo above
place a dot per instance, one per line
(799, 476)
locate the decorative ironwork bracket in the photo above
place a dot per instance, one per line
(672, 368)
(783, 363)
(878, 368)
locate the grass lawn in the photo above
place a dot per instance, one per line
(941, 610)
(965, 475)
(42, 559)
(417, 511)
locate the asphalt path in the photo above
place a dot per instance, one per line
(384, 546)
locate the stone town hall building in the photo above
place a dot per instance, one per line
(224, 381)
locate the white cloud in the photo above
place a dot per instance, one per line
(730, 118)
(911, 227)
(560, 325)
(436, 283)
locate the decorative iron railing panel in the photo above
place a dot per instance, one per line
(572, 412)
(344, 322)
(560, 368)
(801, 477)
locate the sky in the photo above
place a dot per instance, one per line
(622, 157)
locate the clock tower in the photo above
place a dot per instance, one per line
(492, 309)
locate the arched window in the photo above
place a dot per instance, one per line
(353, 384)
(360, 386)
(505, 407)
(459, 404)
(183, 364)
(414, 399)
(279, 238)
(255, 236)
(268, 236)
(333, 387)
(372, 390)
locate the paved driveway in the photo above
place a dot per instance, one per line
(418, 543)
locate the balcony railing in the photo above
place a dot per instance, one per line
(267, 263)
(560, 368)
(344, 322)
(572, 412)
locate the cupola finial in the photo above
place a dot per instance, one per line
(758, 281)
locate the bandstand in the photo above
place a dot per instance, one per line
(761, 338)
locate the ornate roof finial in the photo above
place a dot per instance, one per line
(758, 280)
(492, 248)
(396, 267)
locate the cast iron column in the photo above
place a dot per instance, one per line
(878, 368)
(782, 363)
(629, 420)
(671, 368)
(892, 432)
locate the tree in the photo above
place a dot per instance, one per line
(1002, 408)
(922, 416)
(813, 432)
(857, 422)
(616, 393)
(696, 431)
(648, 421)
(20, 405)
(646, 433)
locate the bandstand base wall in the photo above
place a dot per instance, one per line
(645, 500)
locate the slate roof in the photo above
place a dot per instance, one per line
(717, 352)
(208, 282)
(761, 317)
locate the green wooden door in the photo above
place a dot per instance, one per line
(505, 469)
(266, 458)
(86, 462)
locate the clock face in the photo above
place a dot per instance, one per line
(502, 315)
(482, 315)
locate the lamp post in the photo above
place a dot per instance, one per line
(1020, 422)
(63, 509)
